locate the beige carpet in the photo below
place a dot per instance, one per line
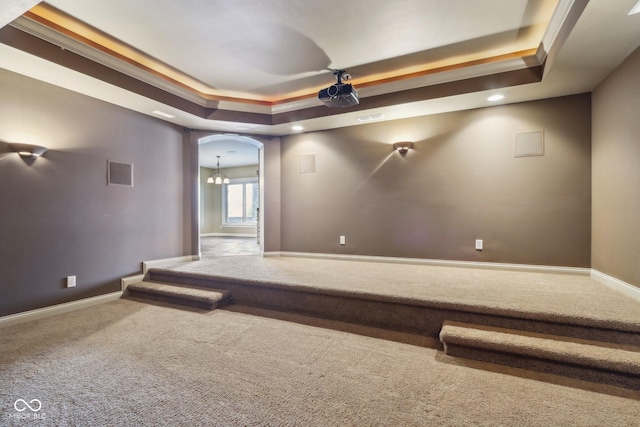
(562, 297)
(127, 363)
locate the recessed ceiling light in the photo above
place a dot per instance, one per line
(370, 118)
(163, 114)
(296, 127)
(496, 97)
(635, 9)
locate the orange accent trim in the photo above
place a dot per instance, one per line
(425, 72)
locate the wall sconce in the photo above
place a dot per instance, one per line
(403, 147)
(28, 151)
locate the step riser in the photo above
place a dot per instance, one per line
(568, 370)
(379, 314)
(177, 301)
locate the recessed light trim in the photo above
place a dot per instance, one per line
(163, 114)
(496, 97)
(370, 118)
(635, 9)
(296, 127)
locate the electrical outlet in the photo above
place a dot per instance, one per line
(71, 281)
(479, 245)
(343, 240)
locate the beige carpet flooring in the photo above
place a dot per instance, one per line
(562, 297)
(128, 363)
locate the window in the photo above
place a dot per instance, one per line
(240, 202)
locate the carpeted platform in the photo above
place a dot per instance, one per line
(420, 299)
(535, 295)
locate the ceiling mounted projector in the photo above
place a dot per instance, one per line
(340, 94)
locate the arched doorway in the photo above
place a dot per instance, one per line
(231, 209)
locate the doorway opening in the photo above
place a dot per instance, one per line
(231, 196)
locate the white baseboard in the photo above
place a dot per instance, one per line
(76, 305)
(126, 281)
(158, 263)
(436, 262)
(617, 284)
(53, 310)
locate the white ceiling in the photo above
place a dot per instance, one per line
(11, 9)
(263, 54)
(234, 151)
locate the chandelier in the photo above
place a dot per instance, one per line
(218, 177)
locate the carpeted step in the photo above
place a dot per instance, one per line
(192, 296)
(588, 360)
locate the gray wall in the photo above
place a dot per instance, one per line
(616, 173)
(211, 201)
(272, 212)
(461, 183)
(59, 218)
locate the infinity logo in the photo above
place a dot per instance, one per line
(26, 405)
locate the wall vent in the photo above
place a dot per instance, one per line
(528, 144)
(119, 174)
(308, 163)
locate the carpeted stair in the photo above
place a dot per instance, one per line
(192, 296)
(595, 361)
